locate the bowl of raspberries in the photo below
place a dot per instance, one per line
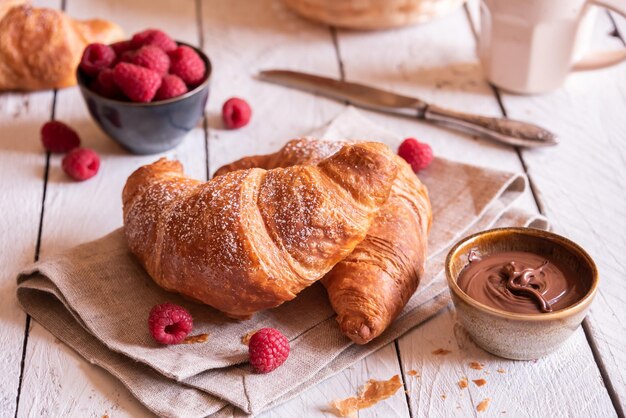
(146, 92)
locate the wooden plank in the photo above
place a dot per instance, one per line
(382, 365)
(582, 182)
(421, 61)
(22, 171)
(58, 382)
(551, 386)
(243, 37)
(22, 166)
(435, 62)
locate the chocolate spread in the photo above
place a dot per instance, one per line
(520, 282)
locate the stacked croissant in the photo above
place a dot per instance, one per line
(350, 214)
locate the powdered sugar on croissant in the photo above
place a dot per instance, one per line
(252, 239)
(371, 286)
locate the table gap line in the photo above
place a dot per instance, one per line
(591, 341)
(207, 164)
(470, 21)
(531, 184)
(404, 378)
(199, 23)
(616, 32)
(333, 36)
(608, 383)
(21, 376)
(205, 122)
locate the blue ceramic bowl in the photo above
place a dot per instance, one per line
(148, 128)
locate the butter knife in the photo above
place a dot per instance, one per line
(508, 131)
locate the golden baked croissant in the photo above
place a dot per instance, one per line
(253, 239)
(369, 288)
(41, 48)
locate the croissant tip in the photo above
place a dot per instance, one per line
(364, 332)
(357, 330)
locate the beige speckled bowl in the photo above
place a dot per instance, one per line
(513, 335)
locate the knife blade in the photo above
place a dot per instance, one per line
(504, 130)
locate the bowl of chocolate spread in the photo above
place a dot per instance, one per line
(520, 292)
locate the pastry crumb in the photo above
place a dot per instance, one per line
(246, 338)
(370, 394)
(483, 405)
(195, 339)
(444, 396)
(413, 373)
(476, 365)
(480, 382)
(441, 352)
(501, 370)
(463, 383)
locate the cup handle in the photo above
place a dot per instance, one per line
(602, 59)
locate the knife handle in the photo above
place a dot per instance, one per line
(511, 132)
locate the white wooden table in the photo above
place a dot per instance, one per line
(580, 185)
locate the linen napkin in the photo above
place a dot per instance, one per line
(96, 298)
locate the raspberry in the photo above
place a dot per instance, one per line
(236, 113)
(81, 163)
(169, 323)
(121, 47)
(58, 137)
(150, 57)
(418, 154)
(96, 57)
(188, 65)
(171, 86)
(105, 85)
(126, 56)
(268, 349)
(138, 83)
(153, 37)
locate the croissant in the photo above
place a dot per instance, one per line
(252, 239)
(369, 288)
(41, 48)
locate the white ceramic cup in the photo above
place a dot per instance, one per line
(530, 46)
